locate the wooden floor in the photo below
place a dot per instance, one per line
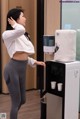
(30, 110)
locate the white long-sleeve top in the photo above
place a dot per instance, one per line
(15, 40)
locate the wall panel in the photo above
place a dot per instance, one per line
(51, 16)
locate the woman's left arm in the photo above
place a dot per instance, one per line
(39, 63)
(32, 62)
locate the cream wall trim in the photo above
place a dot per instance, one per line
(51, 16)
(45, 17)
(35, 39)
(4, 9)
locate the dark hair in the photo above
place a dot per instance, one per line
(14, 13)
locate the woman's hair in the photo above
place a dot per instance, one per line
(14, 13)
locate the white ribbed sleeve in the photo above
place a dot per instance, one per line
(31, 61)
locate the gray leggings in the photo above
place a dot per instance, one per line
(14, 75)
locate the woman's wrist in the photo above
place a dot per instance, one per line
(39, 63)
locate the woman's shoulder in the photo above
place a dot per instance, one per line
(5, 34)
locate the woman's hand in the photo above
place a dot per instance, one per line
(11, 21)
(40, 63)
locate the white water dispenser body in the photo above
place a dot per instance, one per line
(66, 42)
(62, 103)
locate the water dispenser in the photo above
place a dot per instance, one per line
(62, 85)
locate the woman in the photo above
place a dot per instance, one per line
(19, 48)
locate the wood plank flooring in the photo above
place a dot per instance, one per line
(30, 110)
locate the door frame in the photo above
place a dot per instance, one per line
(40, 33)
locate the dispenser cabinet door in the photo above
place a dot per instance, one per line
(54, 107)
